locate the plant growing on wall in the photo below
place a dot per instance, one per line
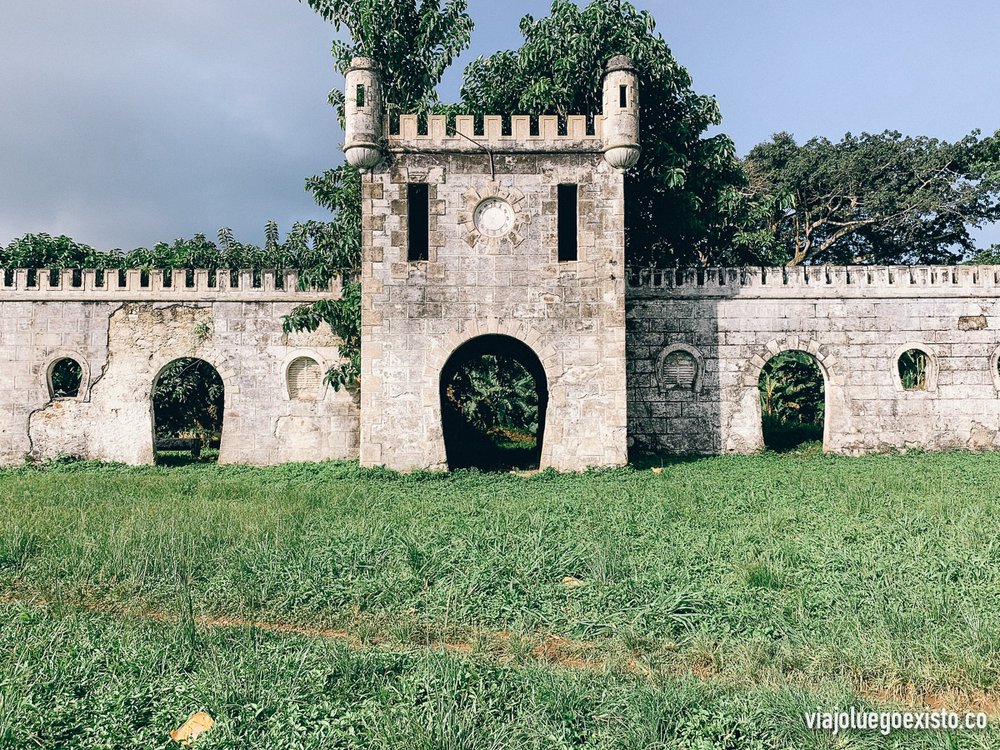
(310, 247)
(411, 45)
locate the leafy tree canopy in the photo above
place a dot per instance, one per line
(45, 251)
(872, 198)
(989, 256)
(304, 248)
(411, 45)
(680, 194)
(189, 397)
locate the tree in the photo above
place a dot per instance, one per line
(881, 198)
(989, 256)
(189, 397)
(45, 251)
(411, 45)
(495, 394)
(681, 194)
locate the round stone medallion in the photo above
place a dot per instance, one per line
(493, 217)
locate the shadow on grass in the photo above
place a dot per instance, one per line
(789, 438)
(794, 440)
(173, 459)
(644, 461)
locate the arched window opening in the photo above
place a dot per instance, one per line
(188, 409)
(494, 397)
(792, 401)
(914, 370)
(305, 378)
(65, 378)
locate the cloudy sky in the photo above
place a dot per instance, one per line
(127, 122)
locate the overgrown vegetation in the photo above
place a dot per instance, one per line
(304, 248)
(913, 370)
(873, 198)
(65, 377)
(496, 398)
(189, 401)
(503, 394)
(792, 400)
(706, 606)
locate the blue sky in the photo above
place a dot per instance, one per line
(125, 123)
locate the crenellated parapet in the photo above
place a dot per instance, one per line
(816, 281)
(525, 134)
(134, 285)
(613, 133)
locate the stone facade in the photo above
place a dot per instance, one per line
(856, 322)
(123, 335)
(571, 314)
(417, 311)
(464, 227)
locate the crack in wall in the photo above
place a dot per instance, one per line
(88, 394)
(124, 344)
(107, 359)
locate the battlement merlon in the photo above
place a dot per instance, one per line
(616, 130)
(439, 138)
(134, 285)
(819, 282)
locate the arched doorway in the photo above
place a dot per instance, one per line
(792, 388)
(188, 404)
(494, 397)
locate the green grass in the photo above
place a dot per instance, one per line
(720, 599)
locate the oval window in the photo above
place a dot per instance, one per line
(65, 378)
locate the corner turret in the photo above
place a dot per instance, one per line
(621, 113)
(363, 114)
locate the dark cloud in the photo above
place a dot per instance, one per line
(124, 123)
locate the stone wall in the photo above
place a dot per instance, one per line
(417, 313)
(856, 322)
(696, 341)
(124, 334)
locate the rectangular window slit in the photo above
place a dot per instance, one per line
(623, 96)
(567, 229)
(360, 100)
(418, 221)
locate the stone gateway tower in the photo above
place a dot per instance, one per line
(496, 237)
(502, 236)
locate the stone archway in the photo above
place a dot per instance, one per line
(502, 360)
(793, 392)
(187, 402)
(743, 424)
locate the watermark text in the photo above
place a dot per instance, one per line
(887, 722)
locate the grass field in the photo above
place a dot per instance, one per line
(707, 605)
